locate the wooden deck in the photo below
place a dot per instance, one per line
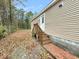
(55, 51)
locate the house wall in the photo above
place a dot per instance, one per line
(37, 20)
(64, 21)
(34, 22)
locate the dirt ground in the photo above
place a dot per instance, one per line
(20, 45)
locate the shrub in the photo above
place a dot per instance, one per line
(2, 31)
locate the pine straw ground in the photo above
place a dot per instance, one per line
(20, 45)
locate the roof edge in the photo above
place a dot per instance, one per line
(45, 9)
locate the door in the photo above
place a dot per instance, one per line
(42, 22)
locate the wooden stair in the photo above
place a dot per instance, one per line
(55, 51)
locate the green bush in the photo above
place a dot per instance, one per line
(2, 31)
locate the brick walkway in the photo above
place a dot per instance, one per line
(58, 52)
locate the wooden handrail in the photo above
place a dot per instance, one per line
(37, 32)
(37, 28)
(40, 35)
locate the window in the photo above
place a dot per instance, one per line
(42, 19)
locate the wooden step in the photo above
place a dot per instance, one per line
(46, 41)
(51, 48)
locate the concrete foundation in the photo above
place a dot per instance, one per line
(69, 45)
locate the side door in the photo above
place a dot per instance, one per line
(42, 22)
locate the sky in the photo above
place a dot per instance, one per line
(33, 5)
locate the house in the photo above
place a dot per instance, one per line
(60, 20)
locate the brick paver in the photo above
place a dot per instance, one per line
(58, 52)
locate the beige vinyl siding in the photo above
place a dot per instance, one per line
(63, 22)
